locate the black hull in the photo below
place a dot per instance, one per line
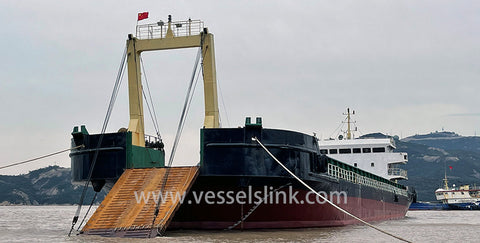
(462, 206)
(294, 208)
(232, 162)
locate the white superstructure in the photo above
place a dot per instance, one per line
(373, 155)
(463, 194)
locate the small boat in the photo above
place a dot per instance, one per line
(463, 197)
(426, 206)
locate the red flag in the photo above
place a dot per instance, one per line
(450, 167)
(143, 15)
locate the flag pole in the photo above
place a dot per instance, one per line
(136, 27)
(140, 16)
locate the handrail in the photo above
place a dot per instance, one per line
(340, 173)
(397, 172)
(159, 30)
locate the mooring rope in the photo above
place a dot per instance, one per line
(322, 197)
(42, 157)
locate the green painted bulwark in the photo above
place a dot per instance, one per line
(141, 157)
(146, 157)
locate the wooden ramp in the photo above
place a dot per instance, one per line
(128, 209)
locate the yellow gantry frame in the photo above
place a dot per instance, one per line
(136, 46)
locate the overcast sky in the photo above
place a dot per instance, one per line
(405, 67)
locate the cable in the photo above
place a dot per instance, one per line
(322, 197)
(154, 116)
(91, 204)
(223, 103)
(186, 105)
(339, 126)
(113, 98)
(181, 123)
(155, 126)
(256, 206)
(42, 157)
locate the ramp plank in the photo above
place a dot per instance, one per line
(126, 212)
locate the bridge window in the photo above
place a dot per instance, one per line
(372, 164)
(355, 164)
(323, 151)
(378, 150)
(366, 150)
(357, 150)
(345, 151)
(333, 151)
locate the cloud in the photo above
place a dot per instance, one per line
(464, 114)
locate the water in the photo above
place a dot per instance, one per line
(52, 223)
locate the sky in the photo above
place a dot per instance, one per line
(406, 67)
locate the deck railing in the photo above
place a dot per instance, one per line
(340, 173)
(397, 172)
(179, 28)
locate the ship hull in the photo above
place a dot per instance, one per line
(462, 206)
(232, 164)
(287, 207)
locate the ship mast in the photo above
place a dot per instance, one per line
(349, 122)
(349, 131)
(445, 179)
(178, 35)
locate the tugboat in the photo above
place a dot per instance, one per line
(236, 184)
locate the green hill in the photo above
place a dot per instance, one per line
(431, 154)
(50, 185)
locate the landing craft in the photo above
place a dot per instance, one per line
(231, 163)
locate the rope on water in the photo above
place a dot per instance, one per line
(42, 157)
(322, 197)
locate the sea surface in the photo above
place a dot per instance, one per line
(52, 224)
